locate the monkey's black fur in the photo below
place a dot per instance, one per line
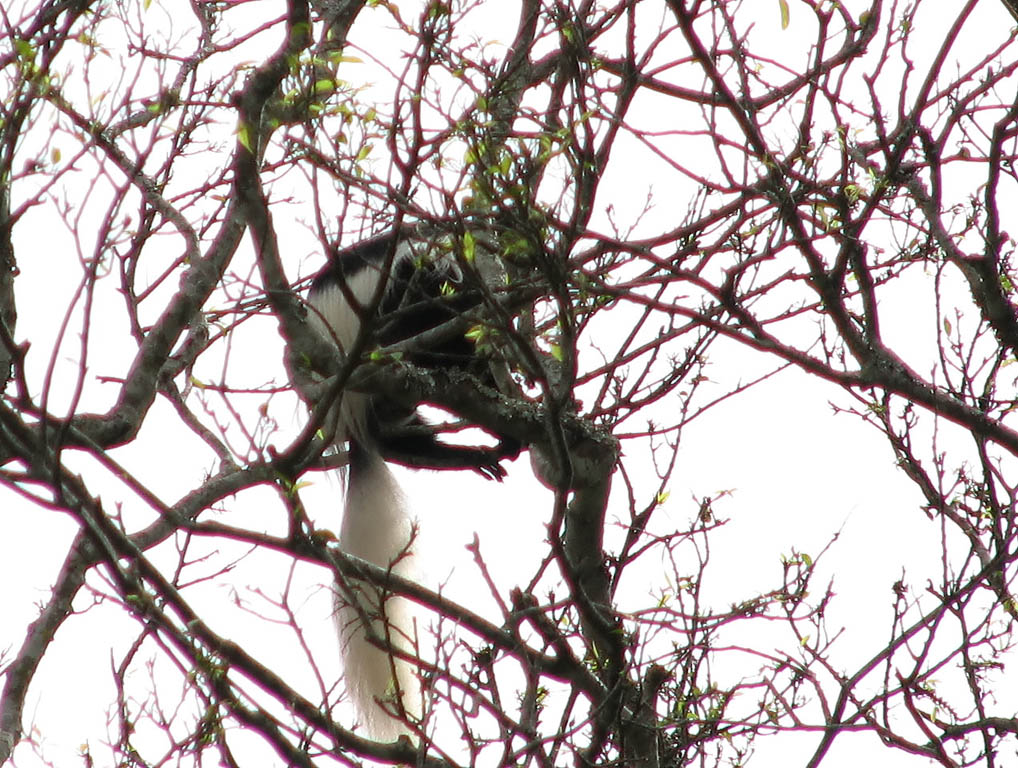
(423, 287)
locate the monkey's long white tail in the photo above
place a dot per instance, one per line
(376, 528)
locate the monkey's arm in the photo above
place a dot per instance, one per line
(412, 442)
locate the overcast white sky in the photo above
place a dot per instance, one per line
(798, 475)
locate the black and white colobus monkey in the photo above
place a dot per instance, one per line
(394, 286)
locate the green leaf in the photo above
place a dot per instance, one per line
(783, 4)
(24, 49)
(479, 336)
(324, 86)
(244, 137)
(469, 246)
